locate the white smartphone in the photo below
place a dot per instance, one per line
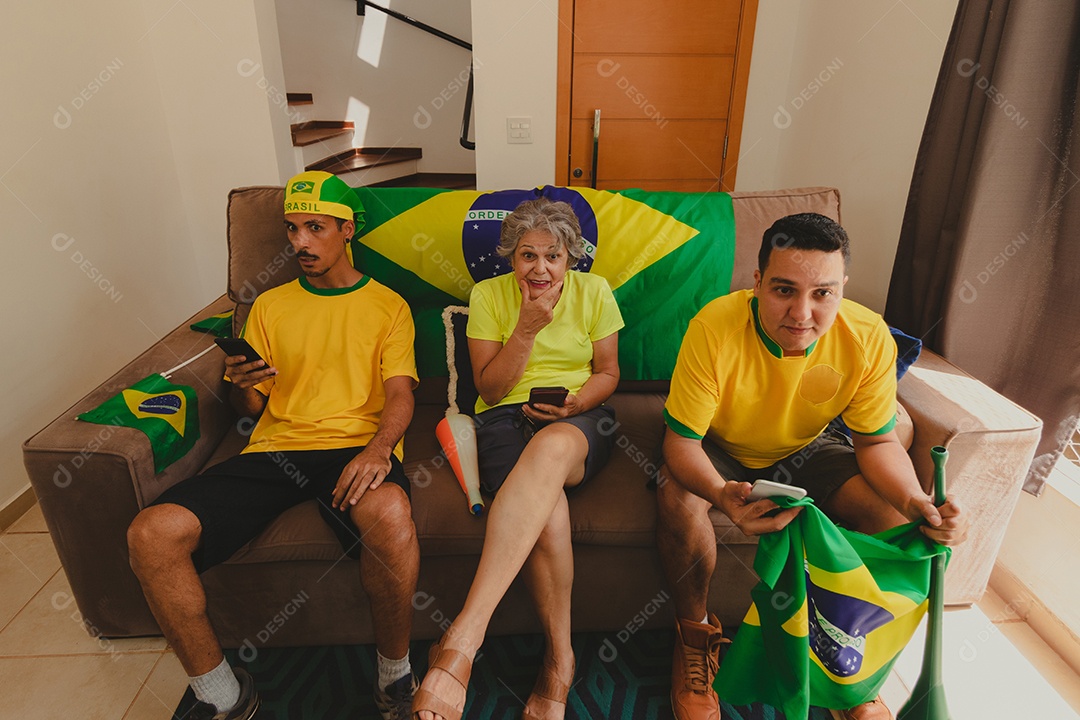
(767, 489)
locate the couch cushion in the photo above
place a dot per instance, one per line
(756, 211)
(260, 256)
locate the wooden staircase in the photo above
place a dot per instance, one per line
(359, 159)
(313, 131)
(327, 145)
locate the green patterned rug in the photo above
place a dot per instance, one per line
(615, 680)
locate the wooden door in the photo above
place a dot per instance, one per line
(669, 79)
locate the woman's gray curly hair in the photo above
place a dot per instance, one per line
(556, 218)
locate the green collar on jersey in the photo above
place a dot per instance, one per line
(332, 291)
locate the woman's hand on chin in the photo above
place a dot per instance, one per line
(536, 313)
(546, 413)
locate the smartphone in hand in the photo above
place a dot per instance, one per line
(768, 489)
(239, 346)
(548, 396)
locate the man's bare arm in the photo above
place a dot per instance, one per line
(887, 468)
(367, 470)
(396, 415)
(687, 461)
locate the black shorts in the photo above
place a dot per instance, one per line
(236, 499)
(503, 432)
(820, 468)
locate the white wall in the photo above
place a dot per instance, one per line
(838, 96)
(874, 63)
(400, 86)
(516, 43)
(126, 123)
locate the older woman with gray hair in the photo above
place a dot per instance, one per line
(542, 326)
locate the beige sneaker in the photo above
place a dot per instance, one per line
(873, 710)
(693, 667)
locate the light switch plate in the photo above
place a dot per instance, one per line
(519, 130)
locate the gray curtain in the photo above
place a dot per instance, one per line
(987, 271)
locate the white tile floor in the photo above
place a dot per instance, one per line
(995, 666)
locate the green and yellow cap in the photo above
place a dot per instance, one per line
(321, 193)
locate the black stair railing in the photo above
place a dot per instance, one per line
(362, 5)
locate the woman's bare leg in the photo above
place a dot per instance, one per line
(553, 460)
(549, 574)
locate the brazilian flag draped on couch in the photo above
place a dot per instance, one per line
(665, 255)
(832, 612)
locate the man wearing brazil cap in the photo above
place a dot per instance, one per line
(333, 399)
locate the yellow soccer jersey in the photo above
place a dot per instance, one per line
(732, 382)
(332, 348)
(562, 352)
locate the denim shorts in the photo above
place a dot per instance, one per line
(503, 432)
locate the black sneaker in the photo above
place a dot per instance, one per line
(246, 706)
(395, 703)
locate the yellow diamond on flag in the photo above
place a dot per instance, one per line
(426, 239)
(646, 235)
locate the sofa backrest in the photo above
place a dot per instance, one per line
(260, 256)
(756, 211)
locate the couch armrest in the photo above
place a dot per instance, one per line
(991, 442)
(92, 479)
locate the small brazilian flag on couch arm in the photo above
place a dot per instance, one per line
(167, 414)
(832, 612)
(219, 325)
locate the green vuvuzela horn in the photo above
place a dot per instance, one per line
(927, 701)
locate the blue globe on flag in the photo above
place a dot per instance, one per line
(483, 222)
(161, 405)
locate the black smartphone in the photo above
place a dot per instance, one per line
(548, 396)
(239, 346)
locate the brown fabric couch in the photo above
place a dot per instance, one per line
(290, 586)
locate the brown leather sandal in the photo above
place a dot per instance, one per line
(550, 687)
(457, 666)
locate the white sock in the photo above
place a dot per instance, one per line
(706, 620)
(219, 687)
(392, 670)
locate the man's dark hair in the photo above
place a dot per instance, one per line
(340, 222)
(805, 231)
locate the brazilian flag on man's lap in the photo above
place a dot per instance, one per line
(664, 254)
(832, 612)
(167, 414)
